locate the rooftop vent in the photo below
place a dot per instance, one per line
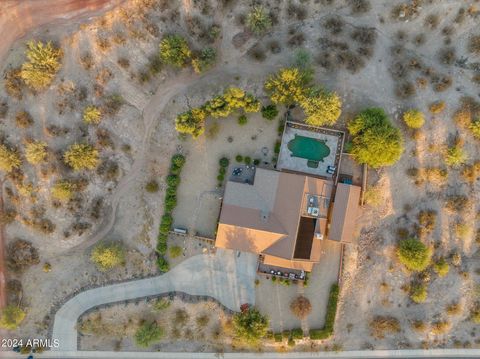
(264, 216)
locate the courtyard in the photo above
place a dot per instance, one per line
(311, 150)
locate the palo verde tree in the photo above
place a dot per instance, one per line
(414, 118)
(107, 256)
(191, 122)
(81, 156)
(321, 107)
(11, 317)
(42, 65)
(376, 141)
(92, 115)
(36, 152)
(287, 86)
(63, 190)
(174, 51)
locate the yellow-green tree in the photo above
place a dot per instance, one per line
(63, 190)
(191, 122)
(81, 156)
(174, 50)
(92, 114)
(107, 256)
(287, 86)
(9, 159)
(36, 152)
(42, 65)
(11, 317)
(414, 118)
(321, 107)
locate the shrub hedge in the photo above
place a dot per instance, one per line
(327, 330)
(173, 180)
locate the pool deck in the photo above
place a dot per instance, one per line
(333, 139)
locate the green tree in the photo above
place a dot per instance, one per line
(321, 107)
(63, 190)
(36, 152)
(414, 118)
(174, 50)
(9, 159)
(148, 333)
(441, 267)
(287, 86)
(43, 63)
(250, 325)
(418, 293)
(81, 156)
(376, 141)
(414, 254)
(204, 60)
(269, 112)
(107, 256)
(191, 122)
(455, 156)
(92, 115)
(258, 20)
(11, 317)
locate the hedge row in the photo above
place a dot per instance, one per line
(222, 170)
(327, 330)
(173, 180)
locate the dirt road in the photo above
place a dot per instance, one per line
(18, 17)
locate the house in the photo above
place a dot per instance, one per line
(285, 217)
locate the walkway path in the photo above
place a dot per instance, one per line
(225, 276)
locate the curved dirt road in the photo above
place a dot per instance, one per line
(18, 17)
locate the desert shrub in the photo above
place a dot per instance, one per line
(107, 256)
(80, 156)
(414, 254)
(297, 333)
(161, 304)
(123, 62)
(92, 115)
(457, 203)
(447, 55)
(147, 334)
(427, 220)
(414, 118)
(301, 307)
(247, 160)
(474, 44)
(373, 196)
(321, 107)
(204, 60)
(455, 156)
(258, 20)
(437, 107)
(242, 120)
(468, 111)
(239, 158)
(162, 264)
(250, 325)
(359, 6)
(11, 317)
(224, 162)
(166, 223)
(202, 320)
(418, 292)
(269, 112)
(175, 251)
(63, 190)
(173, 180)
(454, 309)
(112, 104)
(287, 86)
(327, 330)
(42, 65)
(36, 152)
(191, 122)
(9, 159)
(152, 186)
(462, 230)
(475, 314)
(440, 327)
(21, 255)
(376, 141)
(335, 25)
(419, 326)
(475, 128)
(13, 83)
(382, 325)
(174, 50)
(364, 35)
(23, 119)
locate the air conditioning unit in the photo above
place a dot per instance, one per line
(315, 212)
(319, 236)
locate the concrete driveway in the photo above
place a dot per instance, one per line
(226, 276)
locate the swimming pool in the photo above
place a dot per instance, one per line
(313, 150)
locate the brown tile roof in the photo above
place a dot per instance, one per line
(285, 263)
(264, 217)
(344, 214)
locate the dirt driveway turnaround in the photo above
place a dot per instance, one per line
(225, 276)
